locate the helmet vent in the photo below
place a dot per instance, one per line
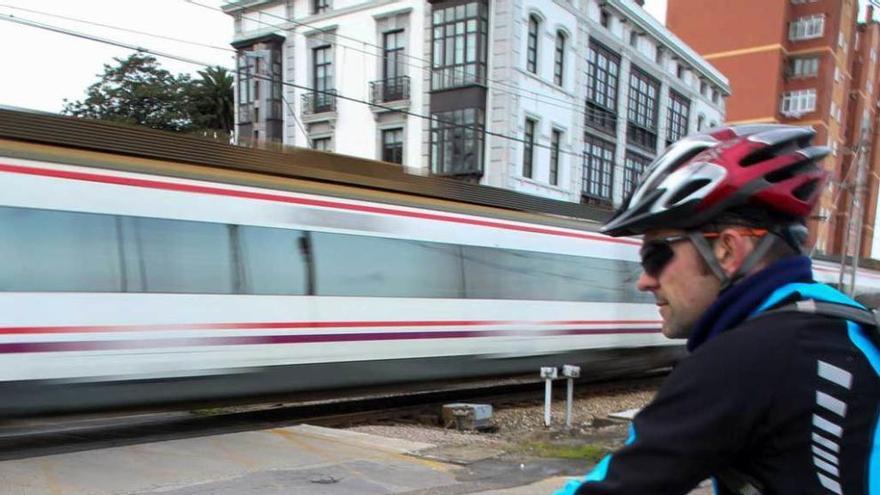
(805, 191)
(790, 171)
(688, 189)
(770, 152)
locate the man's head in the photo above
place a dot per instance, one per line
(716, 207)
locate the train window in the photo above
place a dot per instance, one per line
(350, 265)
(44, 250)
(188, 257)
(508, 274)
(272, 262)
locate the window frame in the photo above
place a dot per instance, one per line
(555, 140)
(448, 72)
(464, 126)
(677, 117)
(529, 129)
(643, 111)
(533, 38)
(598, 170)
(603, 88)
(395, 150)
(559, 59)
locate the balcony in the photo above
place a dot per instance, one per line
(390, 93)
(319, 106)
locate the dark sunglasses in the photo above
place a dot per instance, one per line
(657, 253)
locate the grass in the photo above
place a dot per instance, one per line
(587, 452)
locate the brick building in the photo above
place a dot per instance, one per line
(801, 62)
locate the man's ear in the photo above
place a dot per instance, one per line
(731, 249)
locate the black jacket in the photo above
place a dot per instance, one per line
(787, 399)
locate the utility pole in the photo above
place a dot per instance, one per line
(852, 241)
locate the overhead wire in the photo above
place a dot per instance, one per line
(476, 128)
(425, 65)
(117, 28)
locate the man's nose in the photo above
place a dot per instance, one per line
(646, 282)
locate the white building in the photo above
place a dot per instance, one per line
(562, 99)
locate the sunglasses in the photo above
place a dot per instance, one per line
(657, 253)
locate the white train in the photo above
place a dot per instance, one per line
(129, 281)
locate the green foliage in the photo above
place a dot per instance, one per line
(587, 452)
(137, 90)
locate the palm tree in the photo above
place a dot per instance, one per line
(212, 101)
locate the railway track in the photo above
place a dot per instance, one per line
(46, 436)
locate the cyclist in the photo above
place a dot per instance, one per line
(780, 392)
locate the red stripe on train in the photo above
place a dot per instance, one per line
(297, 324)
(170, 186)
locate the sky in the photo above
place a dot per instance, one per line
(45, 67)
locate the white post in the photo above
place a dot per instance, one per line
(548, 374)
(570, 372)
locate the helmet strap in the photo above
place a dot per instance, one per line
(705, 249)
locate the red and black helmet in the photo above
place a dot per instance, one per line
(768, 166)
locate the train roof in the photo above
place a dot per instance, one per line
(290, 162)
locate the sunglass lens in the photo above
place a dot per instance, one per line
(655, 256)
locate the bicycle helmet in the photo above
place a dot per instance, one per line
(768, 166)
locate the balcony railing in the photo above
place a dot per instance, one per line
(315, 102)
(388, 90)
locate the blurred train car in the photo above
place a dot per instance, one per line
(145, 269)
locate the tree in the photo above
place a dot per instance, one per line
(211, 101)
(136, 91)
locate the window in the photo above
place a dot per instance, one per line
(701, 122)
(532, 49)
(598, 169)
(678, 115)
(679, 71)
(392, 145)
(796, 103)
(642, 119)
(841, 41)
(716, 96)
(633, 166)
(605, 19)
(322, 80)
(58, 251)
(837, 74)
(457, 142)
(803, 66)
(559, 59)
(321, 144)
(704, 88)
(459, 45)
(528, 148)
(658, 55)
(805, 28)
(392, 56)
(603, 67)
(555, 138)
(873, 54)
(633, 39)
(320, 6)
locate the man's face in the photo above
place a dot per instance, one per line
(683, 287)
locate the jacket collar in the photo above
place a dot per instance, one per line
(740, 300)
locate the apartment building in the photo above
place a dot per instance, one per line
(801, 62)
(565, 99)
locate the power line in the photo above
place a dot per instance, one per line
(425, 66)
(478, 129)
(117, 28)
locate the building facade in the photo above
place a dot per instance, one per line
(801, 62)
(565, 99)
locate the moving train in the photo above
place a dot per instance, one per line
(146, 269)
